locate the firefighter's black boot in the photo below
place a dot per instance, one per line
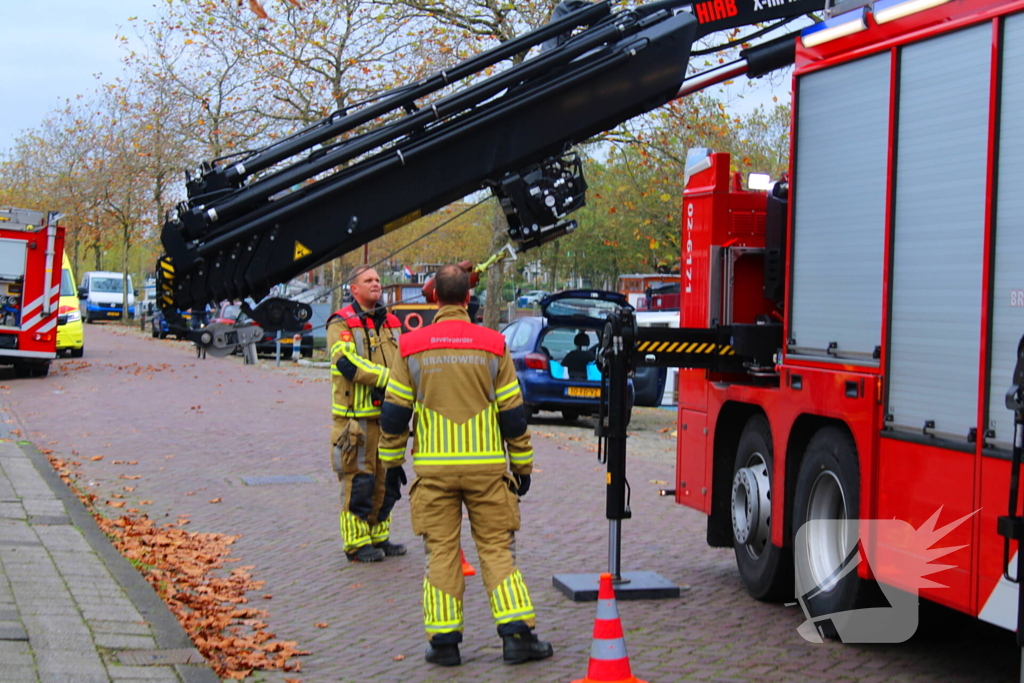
(517, 648)
(443, 654)
(365, 553)
(391, 549)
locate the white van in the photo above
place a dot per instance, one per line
(102, 296)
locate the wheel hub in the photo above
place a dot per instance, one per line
(830, 536)
(751, 506)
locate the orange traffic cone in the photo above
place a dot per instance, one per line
(467, 568)
(608, 660)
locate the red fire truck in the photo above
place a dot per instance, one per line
(891, 257)
(31, 248)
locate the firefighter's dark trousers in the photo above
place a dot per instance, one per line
(436, 505)
(365, 503)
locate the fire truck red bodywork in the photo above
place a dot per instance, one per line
(31, 293)
(901, 477)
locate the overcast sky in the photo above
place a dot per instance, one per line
(52, 51)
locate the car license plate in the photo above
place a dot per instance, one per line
(583, 392)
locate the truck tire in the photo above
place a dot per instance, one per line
(766, 569)
(78, 353)
(828, 488)
(26, 369)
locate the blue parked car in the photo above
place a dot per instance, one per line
(555, 353)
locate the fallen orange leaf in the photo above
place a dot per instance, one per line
(96, 457)
(133, 462)
(130, 476)
(399, 658)
(145, 502)
(129, 489)
(321, 624)
(115, 503)
(215, 500)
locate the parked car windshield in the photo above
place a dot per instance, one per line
(557, 342)
(106, 284)
(580, 307)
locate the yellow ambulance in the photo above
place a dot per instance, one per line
(70, 331)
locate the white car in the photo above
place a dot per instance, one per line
(531, 298)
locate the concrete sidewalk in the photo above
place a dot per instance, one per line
(71, 608)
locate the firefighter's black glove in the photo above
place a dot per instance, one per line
(394, 478)
(377, 396)
(522, 483)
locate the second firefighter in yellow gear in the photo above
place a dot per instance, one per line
(456, 382)
(363, 341)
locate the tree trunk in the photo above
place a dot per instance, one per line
(126, 237)
(496, 275)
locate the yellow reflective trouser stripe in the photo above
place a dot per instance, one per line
(380, 531)
(521, 458)
(510, 601)
(441, 612)
(400, 390)
(510, 389)
(354, 531)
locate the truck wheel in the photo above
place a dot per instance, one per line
(78, 353)
(41, 369)
(570, 415)
(766, 569)
(828, 493)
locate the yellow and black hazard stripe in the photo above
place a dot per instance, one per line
(165, 280)
(681, 347)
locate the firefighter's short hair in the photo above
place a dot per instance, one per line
(451, 285)
(357, 271)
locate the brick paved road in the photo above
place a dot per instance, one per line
(197, 427)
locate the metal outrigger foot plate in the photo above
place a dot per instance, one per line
(634, 586)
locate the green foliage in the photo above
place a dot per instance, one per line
(631, 223)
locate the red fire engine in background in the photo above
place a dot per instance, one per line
(31, 249)
(892, 257)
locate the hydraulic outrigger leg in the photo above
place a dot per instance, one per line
(624, 346)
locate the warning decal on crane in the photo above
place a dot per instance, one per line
(301, 250)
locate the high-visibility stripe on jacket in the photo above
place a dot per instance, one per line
(457, 383)
(369, 351)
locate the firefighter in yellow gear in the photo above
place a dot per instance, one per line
(456, 382)
(363, 341)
